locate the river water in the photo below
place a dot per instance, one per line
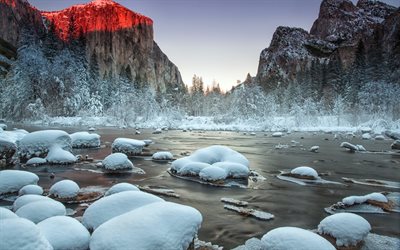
(292, 204)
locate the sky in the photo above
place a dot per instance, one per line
(219, 40)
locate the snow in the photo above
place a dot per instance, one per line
(213, 173)
(232, 164)
(347, 228)
(379, 137)
(117, 161)
(305, 171)
(352, 147)
(162, 156)
(160, 225)
(64, 189)
(292, 238)
(366, 136)
(351, 200)
(40, 210)
(261, 215)
(57, 155)
(3, 126)
(121, 187)
(127, 146)
(233, 170)
(39, 143)
(314, 149)
(22, 234)
(6, 214)
(36, 161)
(365, 130)
(234, 201)
(26, 199)
(85, 140)
(374, 242)
(111, 206)
(277, 134)
(251, 244)
(30, 189)
(13, 180)
(65, 233)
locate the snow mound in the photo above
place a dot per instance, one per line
(65, 233)
(366, 136)
(13, 180)
(130, 147)
(251, 244)
(64, 189)
(85, 140)
(39, 143)
(22, 234)
(26, 199)
(305, 171)
(213, 174)
(41, 210)
(117, 161)
(13, 136)
(162, 156)
(347, 228)
(111, 206)
(57, 155)
(234, 164)
(6, 214)
(30, 189)
(233, 170)
(121, 187)
(379, 137)
(36, 161)
(351, 200)
(352, 147)
(3, 126)
(292, 238)
(160, 225)
(277, 134)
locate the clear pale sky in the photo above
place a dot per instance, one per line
(219, 40)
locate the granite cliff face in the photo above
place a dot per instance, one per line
(341, 30)
(117, 40)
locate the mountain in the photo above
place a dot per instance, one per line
(78, 59)
(119, 40)
(344, 38)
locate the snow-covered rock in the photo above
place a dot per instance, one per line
(352, 147)
(36, 161)
(251, 244)
(3, 126)
(160, 225)
(30, 189)
(57, 155)
(234, 164)
(6, 214)
(147, 142)
(347, 229)
(393, 135)
(40, 210)
(379, 137)
(396, 145)
(121, 187)
(13, 180)
(119, 162)
(111, 206)
(64, 189)
(314, 149)
(39, 143)
(366, 136)
(277, 134)
(85, 140)
(351, 200)
(13, 136)
(233, 170)
(292, 238)
(305, 172)
(162, 156)
(22, 234)
(213, 173)
(26, 199)
(65, 233)
(130, 147)
(7, 150)
(365, 130)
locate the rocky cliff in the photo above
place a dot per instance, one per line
(342, 31)
(117, 40)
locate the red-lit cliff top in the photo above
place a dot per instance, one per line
(97, 15)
